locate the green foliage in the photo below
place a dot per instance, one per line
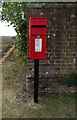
(7, 77)
(58, 78)
(40, 92)
(70, 81)
(15, 13)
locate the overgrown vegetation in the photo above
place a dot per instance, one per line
(15, 13)
(70, 81)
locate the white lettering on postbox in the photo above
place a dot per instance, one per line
(38, 45)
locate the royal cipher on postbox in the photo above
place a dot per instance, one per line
(37, 37)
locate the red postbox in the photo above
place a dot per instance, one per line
(37, 37)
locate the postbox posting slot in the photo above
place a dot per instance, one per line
(38, 26)
(38, 29)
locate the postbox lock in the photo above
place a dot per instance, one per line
(38, 35)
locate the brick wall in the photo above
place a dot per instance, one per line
(61, 40)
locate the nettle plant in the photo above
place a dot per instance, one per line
(15, 14)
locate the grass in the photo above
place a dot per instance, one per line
(63, 107)
(49, 106)
(13, 107)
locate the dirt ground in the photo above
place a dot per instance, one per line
(17, 103)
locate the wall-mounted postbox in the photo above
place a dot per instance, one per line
(37, 37)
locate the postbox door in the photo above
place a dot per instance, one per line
(38, 47)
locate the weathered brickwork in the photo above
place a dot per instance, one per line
(61, 39)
